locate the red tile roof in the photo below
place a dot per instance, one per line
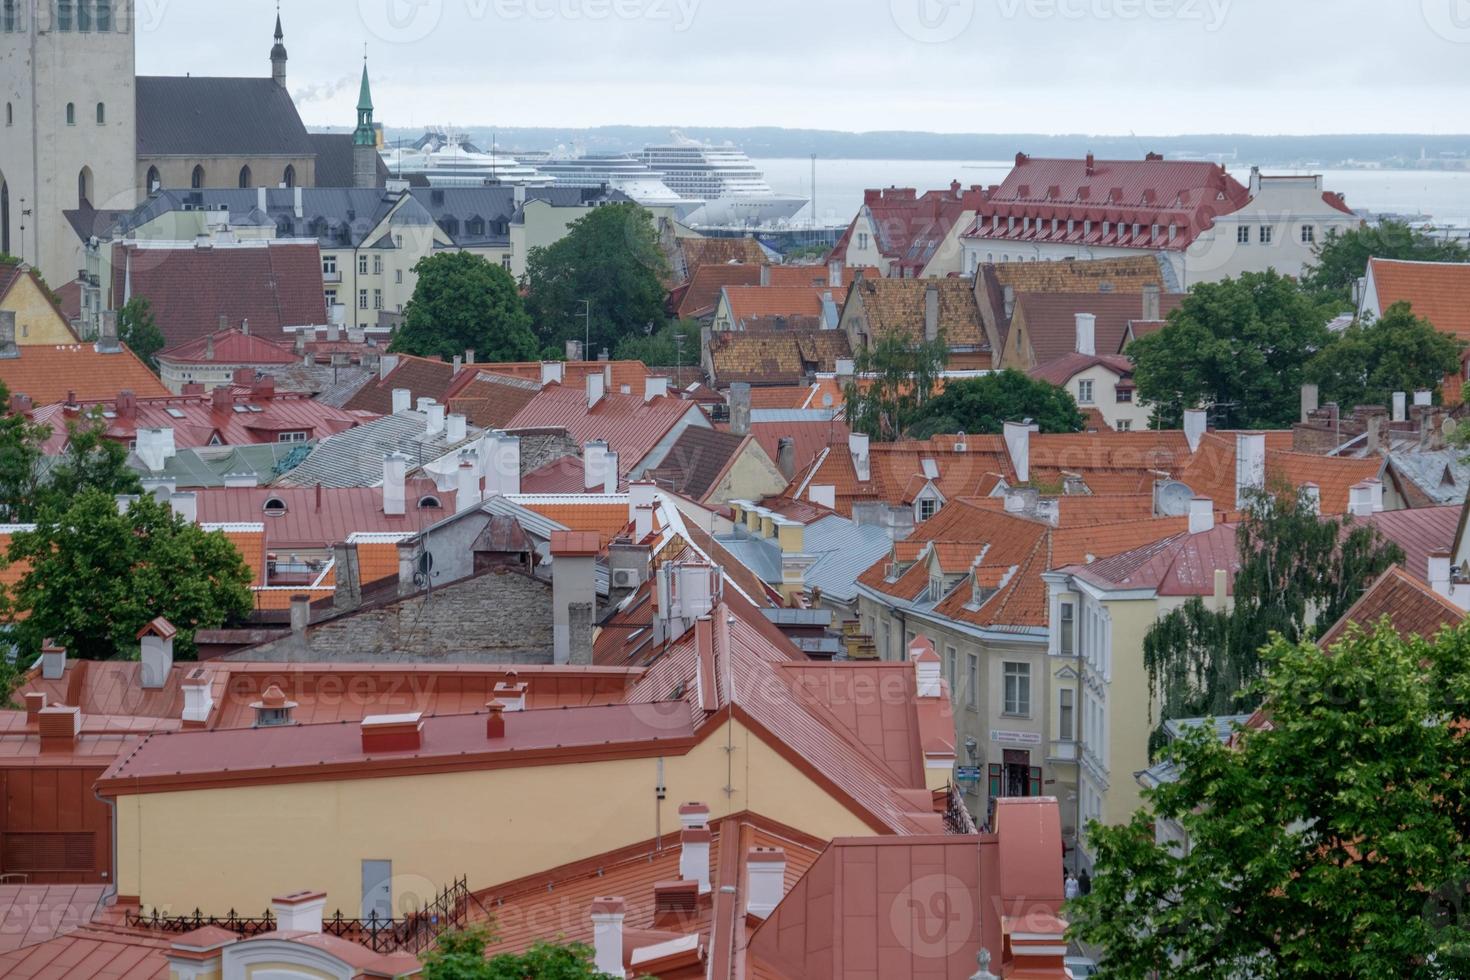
(1410, 607)
(490, 400)
(48, 374)
(1060, 370)
(1438, 291)
(908, 227)
(1211, 472)
(630, 426)
(422, 376)
(703, 292)
(1183, 564)
(1139, 200)
(624, 373)
(748, 303)
(890, 306)
(274, 286)
(1050, 321)
(231, 346)
(775, 356)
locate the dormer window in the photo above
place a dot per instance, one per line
(274, 506)
(430, 502)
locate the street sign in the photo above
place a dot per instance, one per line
(968, 774)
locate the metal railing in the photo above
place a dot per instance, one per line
(413, 933)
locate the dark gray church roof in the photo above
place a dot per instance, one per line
(334, 160)
(188, 116)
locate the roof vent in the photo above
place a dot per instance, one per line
(675, 897)
(393, 733)
(273, 709)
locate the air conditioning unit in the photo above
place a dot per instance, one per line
(625, 578)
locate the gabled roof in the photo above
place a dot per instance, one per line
(232, 346)
(748, 305)
(50, 374)
(217, 117)
(1411, 608)
(908, 227)
(490, 401)
(898, 306)
(1437, 291)
(423, 377)
(774, 357)
(1060, 370)
(695, 252)
(702, 293)
(334, 158)
(12, 273)
(274, 285)
(1051, 320)
(1211, 472)
(354, 458)
(697, 459)
(1420, 532)
(1180, 565)
(630, 426)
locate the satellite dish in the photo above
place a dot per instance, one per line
(1171, 499)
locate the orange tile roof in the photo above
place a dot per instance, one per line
(1438, 291)
(779, 357)
(1211, 473)
(898, 306)
(695, 252)
(376, 561)
(50, 374)
(1411, 608)
(752, 302)
(708, 281)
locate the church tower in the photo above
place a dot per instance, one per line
(365, 138)
(278, 53)
(68, 124)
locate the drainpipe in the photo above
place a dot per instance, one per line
(112, 869)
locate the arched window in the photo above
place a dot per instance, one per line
(104, 15)
(274, 506)
(4, 218)
(84, 187)
(101, 114)
(197, 181)
(430, 502)
(154, 180)
(244, 176)
(71, 113)
(289, 177)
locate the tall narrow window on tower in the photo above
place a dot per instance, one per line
(289, 177)
(244, 176)
(154, 180)
(71, 113)
(101, 114)
(84, 15)
(197, 180)
(84, 187)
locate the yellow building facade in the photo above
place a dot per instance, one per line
(38, 320)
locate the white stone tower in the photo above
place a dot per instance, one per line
(68, 124)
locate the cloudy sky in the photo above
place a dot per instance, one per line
(1053, 66)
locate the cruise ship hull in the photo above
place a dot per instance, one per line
(741, 211)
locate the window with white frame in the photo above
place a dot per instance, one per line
(1066, 698)
(927, 508)
(1243, 235)
(377, 265)
(972, 680)
(291, 437)
(1124, 425)
(1265, 234)
(1017, 689)
(1084, 391)
(362, 265)
(377, 299)
(329, 264)
(1067, 633)
(362, 299)
(1309, 234)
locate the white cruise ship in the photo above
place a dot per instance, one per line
(619, 171)
(451, 160)
(734, 191)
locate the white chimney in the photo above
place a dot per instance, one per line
(1250, 466)
(1201, 515)
(926, 670)
(610, 474)
(834, 274)
(655, 388)
(297, 205)
(454, 429)
(155, 447)
(694, 816)
(1086, 334)
(395, 471)
(694, 857)
(931, 312)
(1400, 411)
(607, 936)
(198, 696)
(552, 372)
(402, 400)
(435, 424)
(594, 465)
(386, 364)
(260, 200)
(300, 911)
(185, 505)
(765, 870)
(53, 661)
(505, 466)
(157, 654)
(1360, 499)
(845, 367)
(823, 495)
(1423, 399)
(641, 493)
(857, 446)
(1195, 423)
(596, 388)
(1018, 445)
(1375, 491)
(1440, 579)
(467, 492)
(1312, 496)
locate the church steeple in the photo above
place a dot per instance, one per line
(365, 162)
(278, 53)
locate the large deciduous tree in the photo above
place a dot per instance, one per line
(29, 483)
(1238, 346)
(460, 955)
(894, 379)
(983, 405)
(93, 576)
(1340, 260)
(608, 267)
(1370, 360)
(1335, 843)
(462, 302)
(136, 328)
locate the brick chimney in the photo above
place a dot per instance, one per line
(34, 701)
(495, 720)
(59, 727)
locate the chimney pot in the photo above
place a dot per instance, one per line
(694, 845)
(495, 722)
(58, 726)
(392, 733)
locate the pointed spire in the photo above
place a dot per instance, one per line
(365, 135)
(365, 95)
(278, 52)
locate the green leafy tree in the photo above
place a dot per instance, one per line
(29, 483)
(20, 459)
(460, 955)
(93, 576)
(137, 329)
(1238, 346)
(1296, 570)
(893, 381)
(608, 266)
(462, 302)
(661, 347)
(982, 406)
(1341, 260)
(1336, 843)
(1396, 352)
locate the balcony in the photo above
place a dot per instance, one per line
(1060, 750)
(334, 276)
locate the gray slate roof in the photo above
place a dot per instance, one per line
(1428, 471)
(842, 548)
(354, 458)
(334, 160)
(213, 117)
(207, 466)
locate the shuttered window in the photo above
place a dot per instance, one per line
(49, 851)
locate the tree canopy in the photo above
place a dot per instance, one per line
(1238, 346)
(981, 406)
(30, 484)
(137, 329)
(460, 955)
(1370, 360)
(610, 260)
(1341, 259)
(1297, 570)
(93, 577)
(463, 302)
(662, 348)
(1333, 844)
(898, 379)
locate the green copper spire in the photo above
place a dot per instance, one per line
(365, 136)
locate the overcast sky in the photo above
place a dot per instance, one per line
(1156, 67)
